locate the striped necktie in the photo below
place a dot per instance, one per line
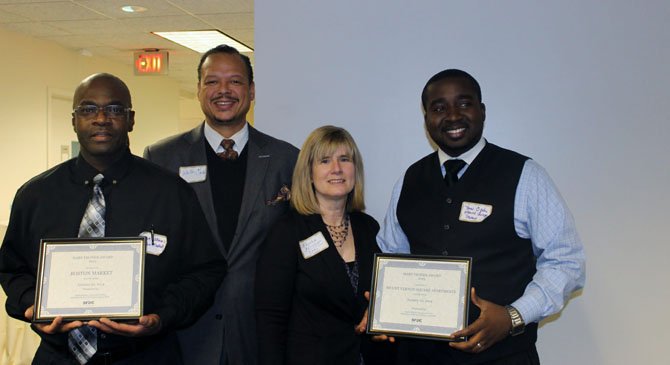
(83, 341)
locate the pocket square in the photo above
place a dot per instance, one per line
(284, 195)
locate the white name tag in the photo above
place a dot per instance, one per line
(474, 212)
(193, 174)
(313, 245)
(155, 243)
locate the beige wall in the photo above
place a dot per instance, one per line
(30, 69)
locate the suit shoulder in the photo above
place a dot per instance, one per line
(169, 142)
(158, 173)
(275, 143)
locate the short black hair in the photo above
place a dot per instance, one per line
(451, 73)
(224, 48)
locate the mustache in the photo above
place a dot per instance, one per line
(224, 97)
(101, 131)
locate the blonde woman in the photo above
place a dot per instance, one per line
(317, 261)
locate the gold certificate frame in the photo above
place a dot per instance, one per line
(90, 278)
(419, 296)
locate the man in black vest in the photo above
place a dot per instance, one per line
(472, 198)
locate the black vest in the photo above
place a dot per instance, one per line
(227, 183)
(502, 263)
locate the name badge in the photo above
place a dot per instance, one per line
(193, 174)
(475, 212)
(155, 243)
(313, 245)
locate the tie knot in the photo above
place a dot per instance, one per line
(452, 167)
(228, 152)
(227, 144)
(97, 179)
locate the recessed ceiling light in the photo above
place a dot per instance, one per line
(202, 40)
(133, 9)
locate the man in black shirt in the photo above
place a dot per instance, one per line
(181, 276)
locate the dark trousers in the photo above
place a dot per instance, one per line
(164, 350)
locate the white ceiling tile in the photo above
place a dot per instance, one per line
(52, 11)
(7, 17)
(166, 23)
(138, 42)
(100, 26)
(228, 21)
(34, 29)
(30, 1)
(215, 6)
(112, 8)
(74, 41)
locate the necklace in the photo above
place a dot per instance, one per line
(340, 232)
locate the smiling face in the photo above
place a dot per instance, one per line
(334, 176)
(102, 138)
(454, 115)
(225, 92)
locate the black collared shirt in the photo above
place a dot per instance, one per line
(180, 283)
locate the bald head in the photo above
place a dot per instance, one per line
(111, 82)
(103, 132)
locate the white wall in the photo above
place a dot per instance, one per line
(580, 86)
(31, 68)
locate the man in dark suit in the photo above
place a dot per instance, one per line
(242, 178)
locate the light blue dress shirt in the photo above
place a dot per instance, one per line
(540, 214)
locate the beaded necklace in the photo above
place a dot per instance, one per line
(340, 232)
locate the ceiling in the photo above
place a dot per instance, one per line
(101, 28)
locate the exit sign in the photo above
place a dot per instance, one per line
(151, 63)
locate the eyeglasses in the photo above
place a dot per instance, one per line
(111, 111)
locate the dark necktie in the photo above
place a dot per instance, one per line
(228, 152)
(83, 341)
(452, 168)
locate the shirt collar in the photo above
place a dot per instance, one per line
(214, 138)
(467, 156)
(83, 172)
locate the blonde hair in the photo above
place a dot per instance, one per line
(324, 141)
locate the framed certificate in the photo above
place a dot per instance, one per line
(419, 296)
(90, 278)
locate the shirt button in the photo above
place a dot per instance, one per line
(103, 336)
(445, 253)
(449, 200)
(447, 227)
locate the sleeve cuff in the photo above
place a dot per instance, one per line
(167, 316)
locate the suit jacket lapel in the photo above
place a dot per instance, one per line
(258, 160)
(196, 155)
